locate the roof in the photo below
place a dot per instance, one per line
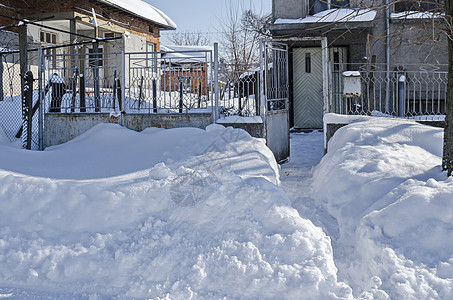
(416, 15)
(186, 54)
(143, 10)
(334, 15)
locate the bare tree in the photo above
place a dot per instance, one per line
(189, 38)
(447, 162)
(241, 30)
(257, 23)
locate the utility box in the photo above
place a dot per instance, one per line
(352, 86)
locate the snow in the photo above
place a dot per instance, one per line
(416, 15)
(334, 15)
(392, 215)
(351, 73)
(186, 54)
(144, 10)
(180, 214)
(208, 214)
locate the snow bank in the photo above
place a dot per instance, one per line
(180, 214)
(393, 207)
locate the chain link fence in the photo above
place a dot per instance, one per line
(11, 114)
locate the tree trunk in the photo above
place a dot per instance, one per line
(447, 162)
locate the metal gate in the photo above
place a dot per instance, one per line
(275, 88)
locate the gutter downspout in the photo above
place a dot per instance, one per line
(387, 55)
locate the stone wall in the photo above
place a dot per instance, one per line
(60, 128)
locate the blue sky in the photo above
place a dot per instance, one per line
(202, 15)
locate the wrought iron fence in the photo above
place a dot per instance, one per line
(84, 82)
(239, 92)
(410, 91)
(144, 82)
(169, 82)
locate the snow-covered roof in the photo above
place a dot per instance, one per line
(416, 15)
(186, 54)
(252, 71)
(143, 10)
(334, 15)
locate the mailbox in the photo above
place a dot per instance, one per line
(352, 87)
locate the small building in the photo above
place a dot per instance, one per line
(137, 22)
(356, 33)
(187, 68)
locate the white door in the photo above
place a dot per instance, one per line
(307, 84)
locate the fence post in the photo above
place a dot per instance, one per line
(97, 92)
(41, 98)
(1, 77)
(73, 88)
(401, 95)
(140, 93)
(263, 65)
(27, 116)
(215, 110)
(115, 81)
(181, 95)
(82, 93)
(325, 74)
(123, 82)
(199, 94)
(154, 96)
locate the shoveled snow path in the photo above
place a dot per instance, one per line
(296, 177)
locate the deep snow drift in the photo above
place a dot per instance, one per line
(189, 213)
(180, 214)
(392, 208)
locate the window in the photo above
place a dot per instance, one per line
(109, 34)
(316, 6)
(95, 60)
(336, 61)
(307, 63)
(415, 5)
(151, 57)
(49, 39)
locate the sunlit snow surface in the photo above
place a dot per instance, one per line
(202, 214)
(392, 209)
(179, 214)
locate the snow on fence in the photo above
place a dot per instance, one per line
(409, 91)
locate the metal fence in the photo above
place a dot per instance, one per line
(11, 114)
(143, 82)
(410, 91)
(169, 82)
(82, 82)
(87, 82)
(239, 92)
